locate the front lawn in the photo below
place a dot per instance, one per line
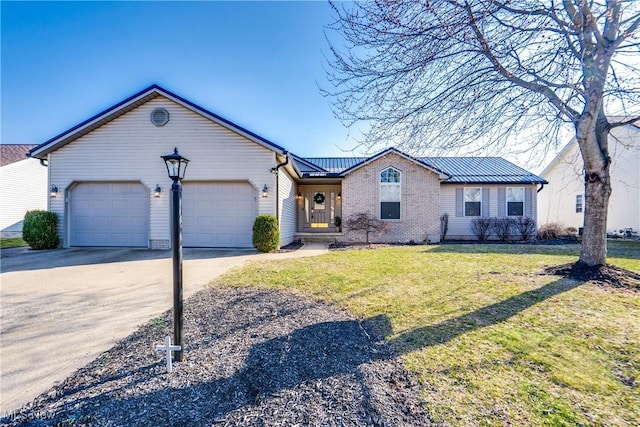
(15, 242)
(493, 341)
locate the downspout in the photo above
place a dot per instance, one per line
(541, 187)
(275, 172)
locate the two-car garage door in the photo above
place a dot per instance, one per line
(214, 214)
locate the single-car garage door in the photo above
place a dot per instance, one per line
(109, 214)
(218, 214)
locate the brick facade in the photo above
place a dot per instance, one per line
(419, 206)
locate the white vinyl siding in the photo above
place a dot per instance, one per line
(566, 180)
(459, 225)
(23, 188)
(129, 148)
(287, 208)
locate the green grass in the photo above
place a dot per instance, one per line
(12, 243)
(492, 341)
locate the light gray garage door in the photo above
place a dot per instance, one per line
(218, 214)
(109, 214)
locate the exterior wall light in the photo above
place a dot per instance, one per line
(157, 191)
(265, 191)
(340, 196)
(299, 196)
(53, 191)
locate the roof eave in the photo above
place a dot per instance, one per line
(441, 175)
(132, 102)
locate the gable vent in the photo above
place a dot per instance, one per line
(159, 117)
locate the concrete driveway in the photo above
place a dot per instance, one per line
(62, 308)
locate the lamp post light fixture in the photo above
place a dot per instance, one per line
(176, 166)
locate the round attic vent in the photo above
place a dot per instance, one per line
(159, 117)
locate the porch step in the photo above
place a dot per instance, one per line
(318, 237)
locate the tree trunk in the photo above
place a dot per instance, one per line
(594, 148)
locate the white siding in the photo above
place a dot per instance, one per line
(129, 149)
(287, 207)
(23, 187)
(460, 227)
(565, 176)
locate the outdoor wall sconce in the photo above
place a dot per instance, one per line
(53, 190)
(265, 191)
(157, 191)
(299, 196)
(340, 196)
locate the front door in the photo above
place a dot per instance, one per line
(319, 208)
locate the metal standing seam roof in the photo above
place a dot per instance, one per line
(461, 169)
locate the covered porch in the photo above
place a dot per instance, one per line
(319, 210)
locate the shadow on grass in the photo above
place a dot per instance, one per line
(493, 314)
(615, 248)
(316, 363)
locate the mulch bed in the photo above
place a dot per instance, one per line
(252, 358)
(601, 274)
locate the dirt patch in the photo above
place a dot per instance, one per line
(601, 274)
(252, 358)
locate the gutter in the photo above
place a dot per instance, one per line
(275, 172)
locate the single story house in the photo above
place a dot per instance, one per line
(107, 170)
(563, 200)
(23, 187)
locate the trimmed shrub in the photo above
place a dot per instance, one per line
(481, 227)
(444, 226)
(550, 231)
(266, 235)
(525, 226)
(503, 227)
(39, 229)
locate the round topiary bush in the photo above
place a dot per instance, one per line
(39, 229)
(266, 235)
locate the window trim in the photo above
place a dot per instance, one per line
(398, 184)
(464, 202)
(580, 206)
(506, 201)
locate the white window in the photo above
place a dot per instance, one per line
(579, 203)
(472, 201)
(515, 201)
(390, 194)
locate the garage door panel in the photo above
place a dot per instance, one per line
(109, 214)
(211, 214)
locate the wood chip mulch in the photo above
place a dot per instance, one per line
(252, 358)
(601, 274)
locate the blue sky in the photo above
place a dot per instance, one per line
(257, 64)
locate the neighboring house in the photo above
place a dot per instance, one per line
(563, 200)
(23, 187)
(108, 167)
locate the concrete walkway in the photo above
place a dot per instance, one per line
(63, 308)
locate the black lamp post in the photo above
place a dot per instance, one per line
(176, 166)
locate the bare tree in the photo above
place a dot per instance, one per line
(367, 223)
(471, 74)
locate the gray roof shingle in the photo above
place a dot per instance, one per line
(11, 153)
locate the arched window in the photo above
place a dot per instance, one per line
(390, 194)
